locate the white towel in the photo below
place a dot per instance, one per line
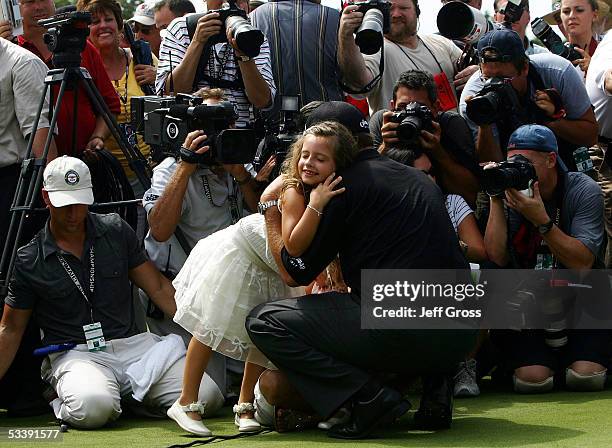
(155, 362)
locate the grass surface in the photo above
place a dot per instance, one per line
(560, 419)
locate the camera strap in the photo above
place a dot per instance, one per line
(369, 86)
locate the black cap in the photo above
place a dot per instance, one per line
(344, 113)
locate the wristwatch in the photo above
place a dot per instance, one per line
(545, 228)
(263, 206)
(243, 58)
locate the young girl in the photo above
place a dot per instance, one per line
(230, 272)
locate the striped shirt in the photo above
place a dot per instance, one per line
(303, 39)
(222, 64)
(457, 209)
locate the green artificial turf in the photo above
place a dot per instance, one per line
(559, 419)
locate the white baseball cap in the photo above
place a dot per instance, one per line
(68, 182)
(144, 14)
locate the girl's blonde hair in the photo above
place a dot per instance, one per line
(345, 149)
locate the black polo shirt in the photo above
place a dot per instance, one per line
(390, 217)
(40, 282)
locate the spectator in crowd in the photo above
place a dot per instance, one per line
(558, 226)
(21, 82)
(48, 282)
(449, 147)
(143, 23)
(248, 82)
(520, 27)
(567, 113)
(554, 17)
(127, 77)
(168, 10)
(403, 49)
(578, 18)
(91, 131)
(599, 88)
(303, 38)
(410, 199)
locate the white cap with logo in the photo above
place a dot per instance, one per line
(144, 14)
(68, 182)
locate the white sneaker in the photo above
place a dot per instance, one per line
(245, 424)
(342, 416)
(465, 380)
(178, 413)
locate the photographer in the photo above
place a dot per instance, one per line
(403, 49)
(448, 144)
(558, 224)
(91, 130)
(198, 199)
(144, 27)
(520, 27)
(247, 81)
(168, 10)
(543, 88)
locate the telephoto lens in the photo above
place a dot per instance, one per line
(459, 21)
(248, 38)
(369, 36)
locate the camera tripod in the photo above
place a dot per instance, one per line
(30, 178)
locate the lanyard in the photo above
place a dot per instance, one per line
(412, 61)
(75, 280)
(232, 197)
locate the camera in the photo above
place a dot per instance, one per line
(376, 21)
(165, 128)
(66, 37)
(552, 41)
(141, 52)
(517, 172)
(279, 136)
(459, 21)
(248, 38)
(513, 12)
(413, 119)
(496, 101)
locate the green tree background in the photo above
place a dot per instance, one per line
(128, 6)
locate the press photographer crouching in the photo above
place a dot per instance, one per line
(554, 222)
(416, 121)
(193, 194)
(511, 89)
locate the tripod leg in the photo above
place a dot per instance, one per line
(12, 243)
(136, 161)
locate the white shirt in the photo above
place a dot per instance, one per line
(431, 53)
(202, 213)
(595, 80)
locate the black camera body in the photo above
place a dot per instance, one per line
(141, 52)
(513, 12)
(495, 102)
(279, 136)
(66, 37)
(413, 119)
(165, 128)
(376, 22)
(517, 172)
(552, 41)
(248, 38)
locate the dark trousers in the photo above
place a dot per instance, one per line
(9, 176)
(317, 341)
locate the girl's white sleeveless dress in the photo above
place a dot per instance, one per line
(226, 275)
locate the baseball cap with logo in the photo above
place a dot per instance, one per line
(535, 137)
(144, 14)
(68, 182)
(342, 112)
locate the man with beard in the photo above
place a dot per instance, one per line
(403, 50)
